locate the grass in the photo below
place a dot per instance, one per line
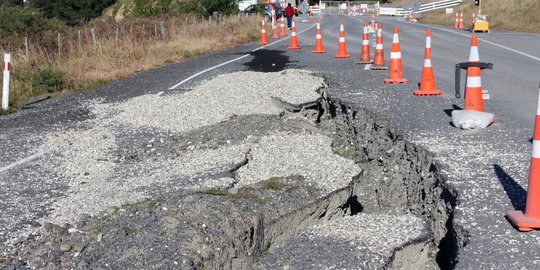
(154, 202)
(274, 183)
(121, 49)
(243, 193)
(128, 231)
(512, 15)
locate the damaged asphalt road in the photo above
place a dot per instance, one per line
(248, 200)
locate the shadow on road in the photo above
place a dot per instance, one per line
(449, 111)
(268, 61)
(514, 191)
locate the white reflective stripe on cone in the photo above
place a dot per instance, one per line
(263, 31)
(474, 81)
(365, 42)
(341, 39)
(428, 42)
(473, 56)
(395, 55)
(318, 36)
(536, 149)
(427, 62)
(341, 28)
(395, 39)
(293, 34)
(379, 47)
(538, 107)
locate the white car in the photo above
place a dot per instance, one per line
(243, 4)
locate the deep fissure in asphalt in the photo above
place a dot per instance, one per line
(398, 178)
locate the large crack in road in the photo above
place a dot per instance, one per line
(264, 173)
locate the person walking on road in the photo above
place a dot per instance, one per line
(289, 13)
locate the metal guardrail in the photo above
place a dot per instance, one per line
(438, 5)
(430, 6)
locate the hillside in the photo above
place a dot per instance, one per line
(149, 8)
(514, 15)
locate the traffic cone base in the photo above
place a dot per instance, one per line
(523, 223)
(395, 81)
(342, 56)
(364, 62)
(373, 67)
(427, 93)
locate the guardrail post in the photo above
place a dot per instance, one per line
(6, 67)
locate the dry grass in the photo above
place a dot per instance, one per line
(122, 49)
(513, 15)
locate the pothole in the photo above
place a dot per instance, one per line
(396, 214)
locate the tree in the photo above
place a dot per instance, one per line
(11, 2)
(72, 12)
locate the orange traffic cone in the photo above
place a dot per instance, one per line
(456, 23)
(365, 56)
(473, 87)
(396, 74)
(342, 45)
(274, 28)
(378, 60)
(318, 40)
(427, 84)
(530, 219)
(460, 26)
(294, 40)
(282, 32)
(264, 38)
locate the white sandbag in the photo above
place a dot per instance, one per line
(467, 119)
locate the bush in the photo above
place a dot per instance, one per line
(48, 80)
(72, 12)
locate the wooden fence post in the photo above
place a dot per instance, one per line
(79, 38)
(59, 45)
(116, 36)
(93, 32)
(26, 49)
(162, 28)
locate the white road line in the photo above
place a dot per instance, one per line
(32, 157)
(367, 67)
(26, 159)
(231, 61)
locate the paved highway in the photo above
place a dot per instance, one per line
(488, 167)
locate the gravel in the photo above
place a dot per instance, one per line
(299, 154)
(219, 99)
(363, 241)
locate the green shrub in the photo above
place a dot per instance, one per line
(48, 80)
